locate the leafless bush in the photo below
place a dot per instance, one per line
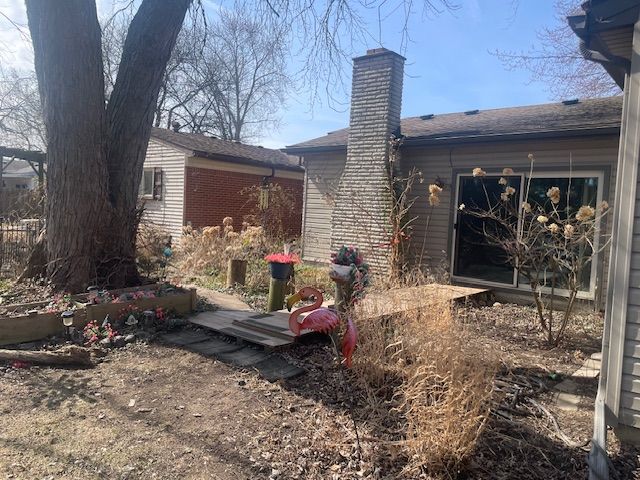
(22, 204)
(550, 243)
(209, 248)
(427, 395)
(151, 242)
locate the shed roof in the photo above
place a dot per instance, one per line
(209, 147)
(598, 115)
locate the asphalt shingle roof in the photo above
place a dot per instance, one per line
(215, 148)
(586, 116)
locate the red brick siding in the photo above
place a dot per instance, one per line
(211, 195)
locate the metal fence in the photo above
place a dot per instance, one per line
(17, 240)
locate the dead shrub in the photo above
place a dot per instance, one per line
(270, 204)
(150, 244)
(207, 250)
(427, 397)
(317, 276)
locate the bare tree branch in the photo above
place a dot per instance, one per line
(557, 62)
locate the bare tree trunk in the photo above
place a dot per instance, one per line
(147, 49)
(95, 154)
(71, 82)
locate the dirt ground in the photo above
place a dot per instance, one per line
(155, 411)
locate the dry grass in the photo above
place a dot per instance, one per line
(151, 241)
(430, 396)
(205, 252)
(202, 257)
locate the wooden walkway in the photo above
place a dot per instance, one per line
(401, 300)
(271, 330)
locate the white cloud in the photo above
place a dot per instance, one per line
(15, 43)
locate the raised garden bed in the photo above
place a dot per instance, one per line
(35, 321)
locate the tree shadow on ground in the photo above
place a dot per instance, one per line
(69, 386)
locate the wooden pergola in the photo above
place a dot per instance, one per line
(35, 158)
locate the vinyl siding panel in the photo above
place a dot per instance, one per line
(433, 227)
(323, 173)
(630, 386)
(168, 211)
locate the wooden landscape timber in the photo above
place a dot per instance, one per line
(37, 326)
(69, 355)
(182, 302)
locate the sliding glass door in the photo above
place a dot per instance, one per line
(475, 257)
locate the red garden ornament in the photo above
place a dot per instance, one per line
(321, 319)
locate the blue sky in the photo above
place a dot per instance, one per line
(449, 67)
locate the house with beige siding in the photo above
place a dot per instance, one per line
(591, 146)
(574, 142)
(196, 180)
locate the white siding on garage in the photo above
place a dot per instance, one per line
(168, 211)
(323, 173)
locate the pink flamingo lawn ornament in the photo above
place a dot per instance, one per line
(321, 319)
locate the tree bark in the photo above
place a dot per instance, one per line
(68, 62)
(147, 49)
(96, 154)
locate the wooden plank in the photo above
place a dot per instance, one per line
(407, 299)
(181, 303)
(28, 328)
(220, 321)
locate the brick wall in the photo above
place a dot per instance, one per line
(363, 202)
(211, 195)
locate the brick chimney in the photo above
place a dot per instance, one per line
(363, 201)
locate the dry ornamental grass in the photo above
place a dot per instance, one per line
(430, 396)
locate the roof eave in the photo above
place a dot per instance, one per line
(599, 18)
(294, 150)
(579, 132)
(426, 141)
(246, 161)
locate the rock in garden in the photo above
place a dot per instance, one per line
(143, 336)
(118, 341)
(130, 338)
(105, 342)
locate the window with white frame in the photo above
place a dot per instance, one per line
(151, 184)
(476, 259)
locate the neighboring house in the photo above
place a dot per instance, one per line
(346, 180)
(610, 34)
(18, 175)
(195, 180)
